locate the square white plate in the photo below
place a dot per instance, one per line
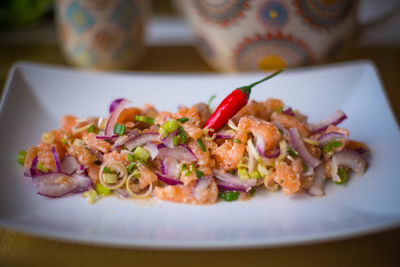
(37, 96)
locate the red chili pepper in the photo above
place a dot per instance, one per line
(232, 104)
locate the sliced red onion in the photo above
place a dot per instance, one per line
(260, 144)
(70, 164)
(58, 184)
(337, 117)
(169, 140)
(114, 116)
(56, 158)
(140, 140)
(96, 153)
(348, 158)
(234, 180)
(122, 140)
(169, 167)
(102, 137)
(272, 153)
(161, 145)
(224, 186)
(281, 127)
(152, 148)
(33, 169)
(27, 172)
(200, 187)
(167, 180)
(181, 152)
(114, 104)
(224, 134)
(329, 137)
(288, 111)
(297, 144)
(319, 178)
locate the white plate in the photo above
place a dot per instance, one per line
(36, 97)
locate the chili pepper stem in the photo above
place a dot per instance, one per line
(247, 89)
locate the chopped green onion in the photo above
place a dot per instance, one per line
(170, 125)
(305, 167)
(144, 119)
(175, 140)
(64, 141)
(331, 145)
(41, 167)
(229, 195)
(211, 100)
(189, 171)
(200, 143)
(131, 167)
(281, 131)
(107, 170)
(141, 154)
(255, 174)
(102, 190)
(279, 110)
(90, 195)
(110, 178)
(21, 157)
(130, 157)
(237, 141)
(199, 174)
(91, 128)
(291, 152)
(342, 172)
(252, 192)
(119, 129)
(183, 119)
(243, 174)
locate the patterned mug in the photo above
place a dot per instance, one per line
(103, 34)
(248, 35)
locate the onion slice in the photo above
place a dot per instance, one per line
(33, 169)
(337, 117)
(140, 140)
(319, 178)
(200, 187)
(114, 117)
(331, 136)
(152, 148)
(234, 180)
(70, 164)
(167, 180)
(169, 167)
(297, 144)
(224, 186)
(181, 152)
(348, 158)
(56, 158)
(114, 104)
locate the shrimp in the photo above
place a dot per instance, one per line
(191, 127)
(162, 117)
(93, 172)
(30, 155)
(82, 154)
(45, 156)
(146, 176)
(261, 129)
(203, 157)
(288, 176)
(114, 155)
(67, 123)
(229, 154)
(291, 122)
(261, 110)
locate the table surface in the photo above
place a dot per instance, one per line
(18, 249)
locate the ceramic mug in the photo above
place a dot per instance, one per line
(248, 35)
(104, 34)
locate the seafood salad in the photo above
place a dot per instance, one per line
(196, 155)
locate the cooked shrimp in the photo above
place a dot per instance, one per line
(288, 176)
(98, 144)
(229, 154)
(261, 110)
(82, 154)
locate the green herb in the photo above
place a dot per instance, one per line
(200, 143)
(331, 145)
(131, 167)
(291, 152)
(343, 174)
(237, 141)
(102, 190)
(130, 157)
(255, 174)
(144, 119)
(211, 100)
(141, 154)
(107, 170)
(229, 195)
(64, 141)
(119, 129)
(279, 110)
(41, 167)
(176, 140)
(21, 157)
(281, 131)
(168, 127)
(91, 128)
(199, 174)
(183, 119)
(190, 169)
(305, 167)
(252, 192)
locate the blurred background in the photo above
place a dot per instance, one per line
(30, 31)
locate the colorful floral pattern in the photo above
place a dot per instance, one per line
(221, 12)
(126, 13)
(80, 19)
(273, 13)
(271, 51)
(324, 14)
